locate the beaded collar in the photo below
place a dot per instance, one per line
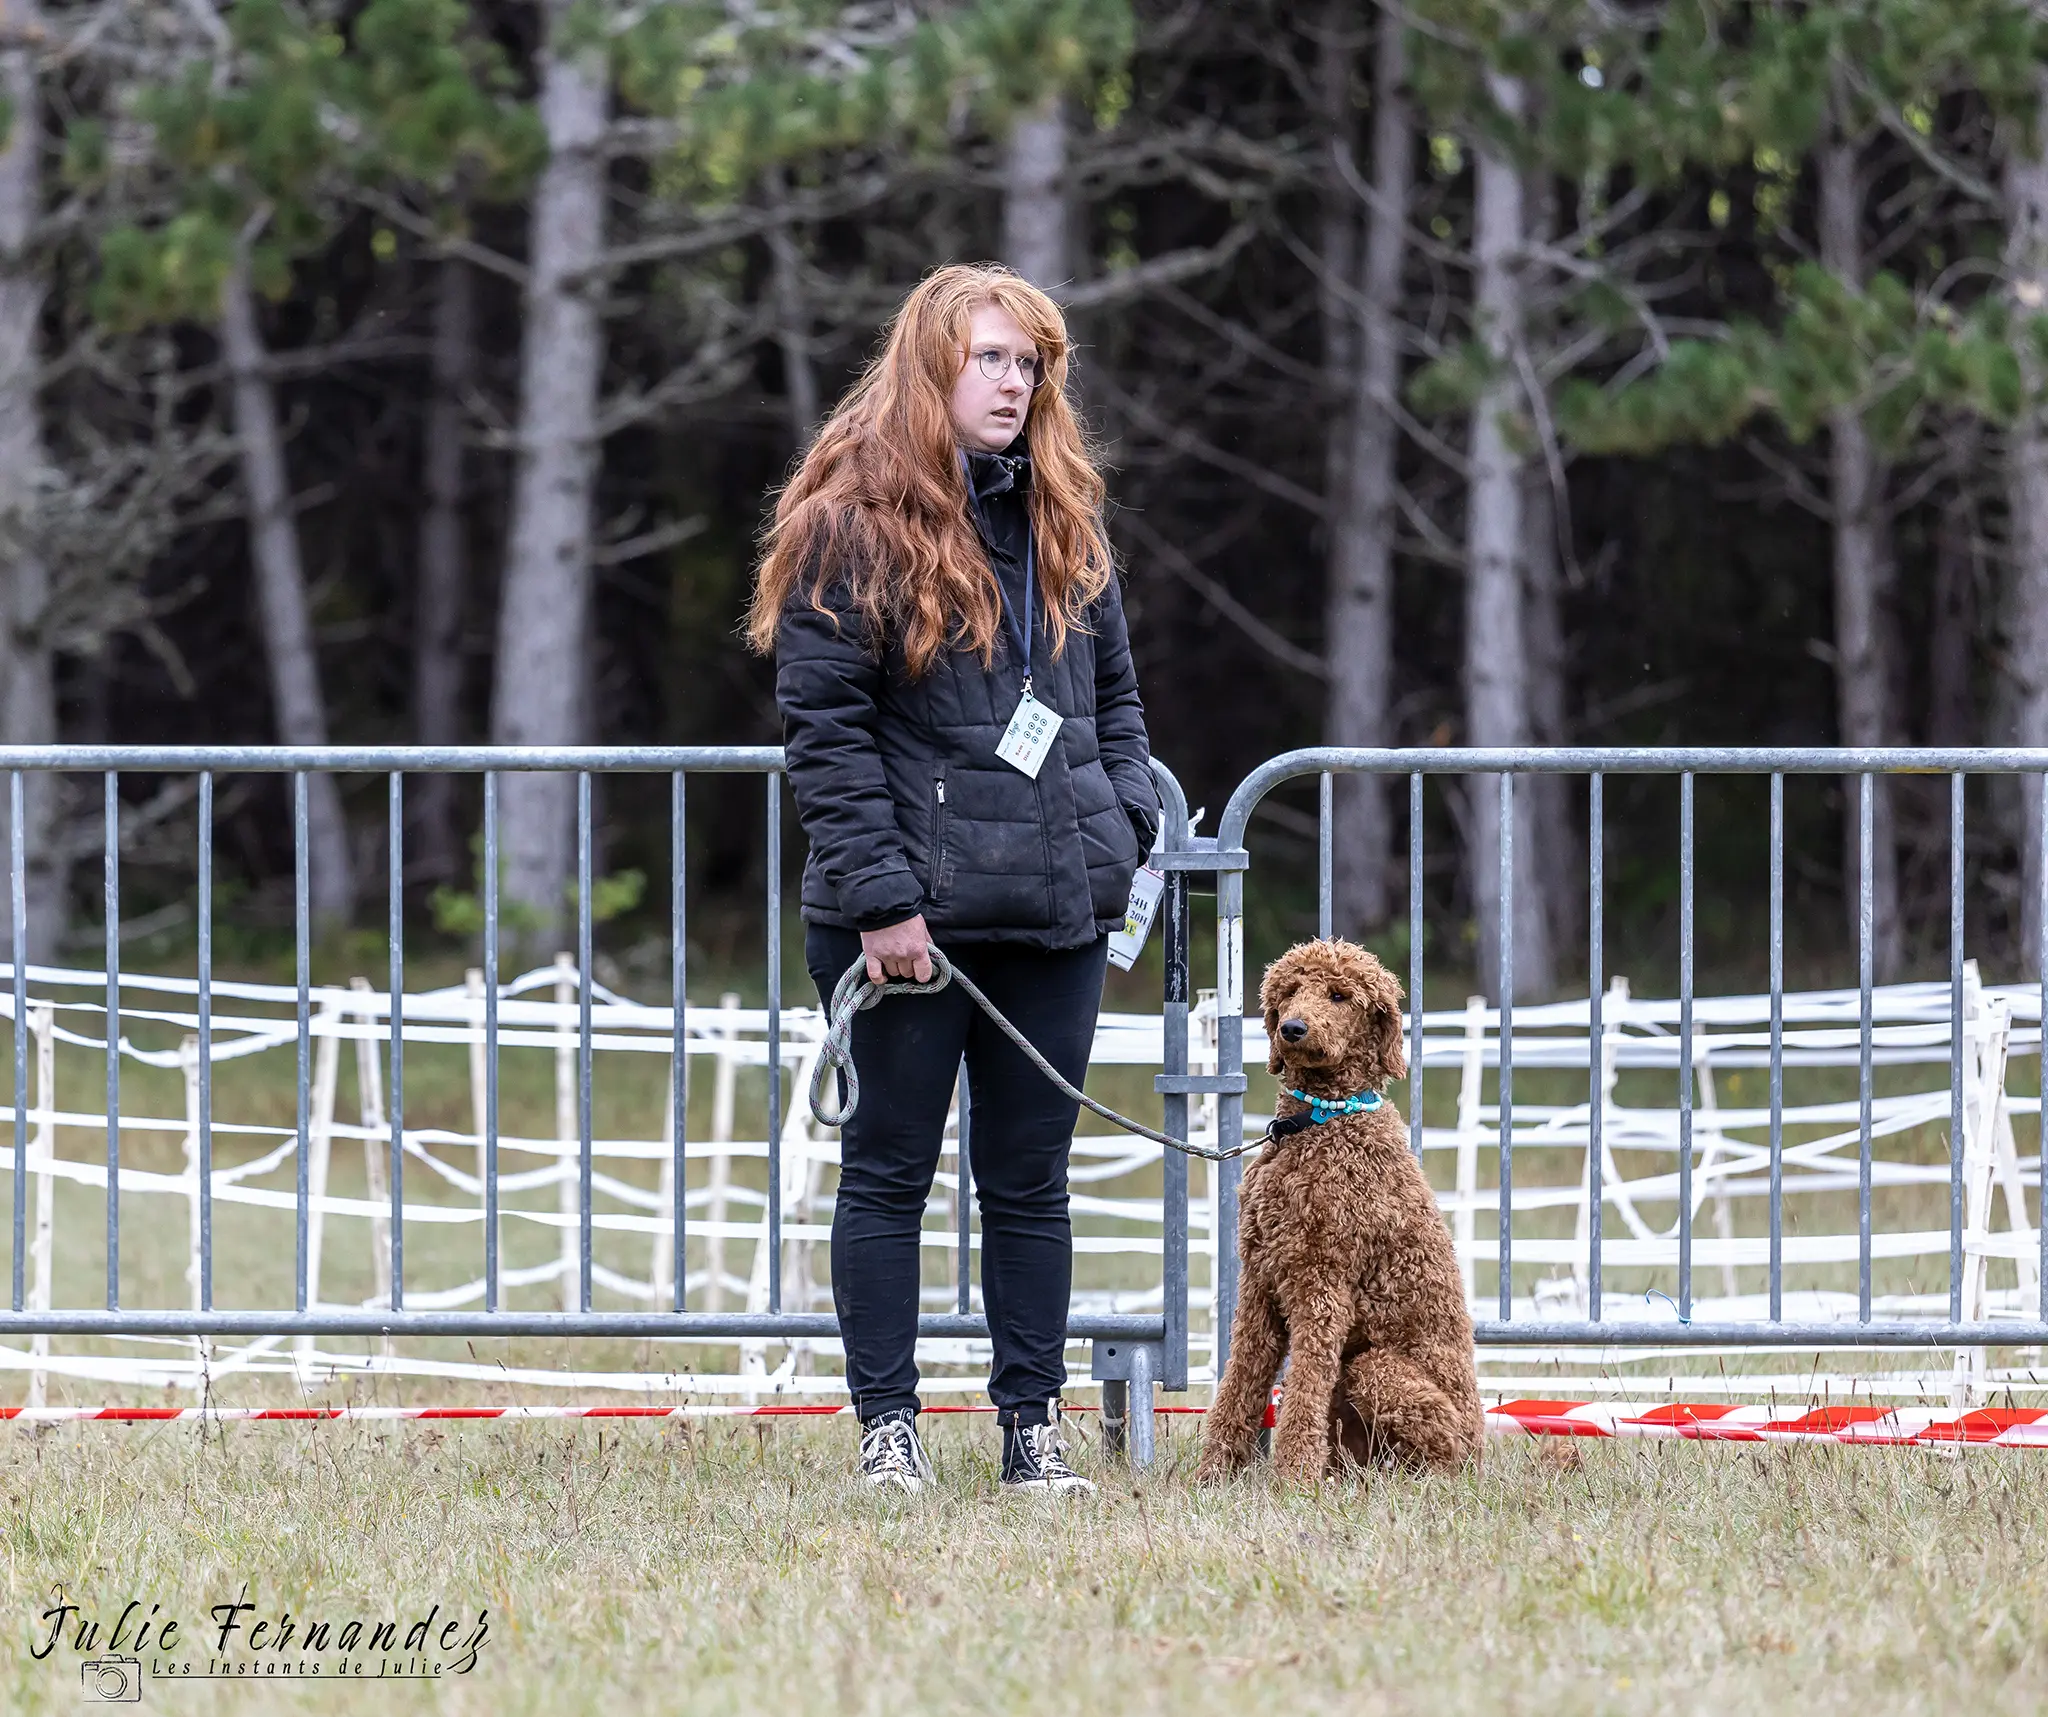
(1321, 1109)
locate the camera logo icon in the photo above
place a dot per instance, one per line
(112, 1680)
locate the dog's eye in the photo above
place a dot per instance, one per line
(1339, 997)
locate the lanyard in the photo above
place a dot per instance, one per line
(1021, 630)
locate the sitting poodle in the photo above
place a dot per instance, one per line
(1346, 1264)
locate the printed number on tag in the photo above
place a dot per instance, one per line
(1027, 741)
(1126, 944)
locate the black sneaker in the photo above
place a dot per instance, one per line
(1035, 1458)
(891, 1457)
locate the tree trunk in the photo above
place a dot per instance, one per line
(281, 595)
(1952, 639)
(1496, 679)
(28, 695)
(539, 698)
(792, 323)
(1864, 671)
(2025, 692)
(1553, 826)
(443, 571)
(1359, 624)
(1553, 820)
(1035, 208)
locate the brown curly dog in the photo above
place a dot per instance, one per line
(1346, 1264)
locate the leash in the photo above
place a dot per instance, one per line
(854, 992)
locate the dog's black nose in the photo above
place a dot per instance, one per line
(1294, 1030)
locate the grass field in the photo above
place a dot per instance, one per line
(723, 1569)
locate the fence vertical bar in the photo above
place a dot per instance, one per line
(2041, 967)
(1866, 962)
(302, 953)
(1229, 1104)
(1596, 1041)
(111, 863)
(584, 955)
(1955, 1047)
(490, 1040)
(17, 907)
(1777, 1095)
(395, 1101)
(206, 1041)
(1173, 1168)
(1415, 964)
(679, 1082)
(1507, 1043)
(774, 1236)
(962, 1272)
(1325, 903)
(1685, 1051)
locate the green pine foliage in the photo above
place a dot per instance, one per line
(1694, 103)
(781, 87)
(279, 134)
(1879, 351)
(276, 134)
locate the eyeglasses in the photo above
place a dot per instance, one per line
(995, 364)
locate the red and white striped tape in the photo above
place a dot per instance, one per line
(300, 1415)
(1705, 1422)
(1708, 1422)
(266, 1415)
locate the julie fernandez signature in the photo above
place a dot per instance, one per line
(238, 1641)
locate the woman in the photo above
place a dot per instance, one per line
(935, 583)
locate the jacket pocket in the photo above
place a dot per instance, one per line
(942, 857)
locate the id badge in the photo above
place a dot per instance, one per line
(1127, 944)
(1027, 741)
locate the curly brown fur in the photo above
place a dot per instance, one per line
(1345, 1260)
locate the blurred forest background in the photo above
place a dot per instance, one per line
(1591, 371)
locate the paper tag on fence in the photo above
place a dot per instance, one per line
(1127, 944)
(1027, 741)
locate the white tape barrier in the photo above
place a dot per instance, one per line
(1638, 1039)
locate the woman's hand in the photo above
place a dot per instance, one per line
(900, 951)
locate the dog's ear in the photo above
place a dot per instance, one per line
(1383, 1033)
(1387, 1041)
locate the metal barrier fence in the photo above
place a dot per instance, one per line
(1686, 764)
(1131, 1350)
(1132, 1353)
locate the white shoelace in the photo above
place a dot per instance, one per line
(890, 1450)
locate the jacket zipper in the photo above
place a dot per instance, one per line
(937, 891)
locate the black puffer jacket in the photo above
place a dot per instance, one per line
(905, 803)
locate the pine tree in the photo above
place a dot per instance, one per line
(266, 136)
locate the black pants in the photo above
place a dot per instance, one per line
(907, 1051)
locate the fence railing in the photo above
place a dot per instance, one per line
(1139, 1349)
(1133, 1351)
(1686, 764)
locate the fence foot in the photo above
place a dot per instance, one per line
(1127, 1370)
(1144, 1364)
(1116, 1405)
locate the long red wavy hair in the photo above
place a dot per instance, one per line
(880, 502)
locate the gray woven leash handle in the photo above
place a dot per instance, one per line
(854, 992)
